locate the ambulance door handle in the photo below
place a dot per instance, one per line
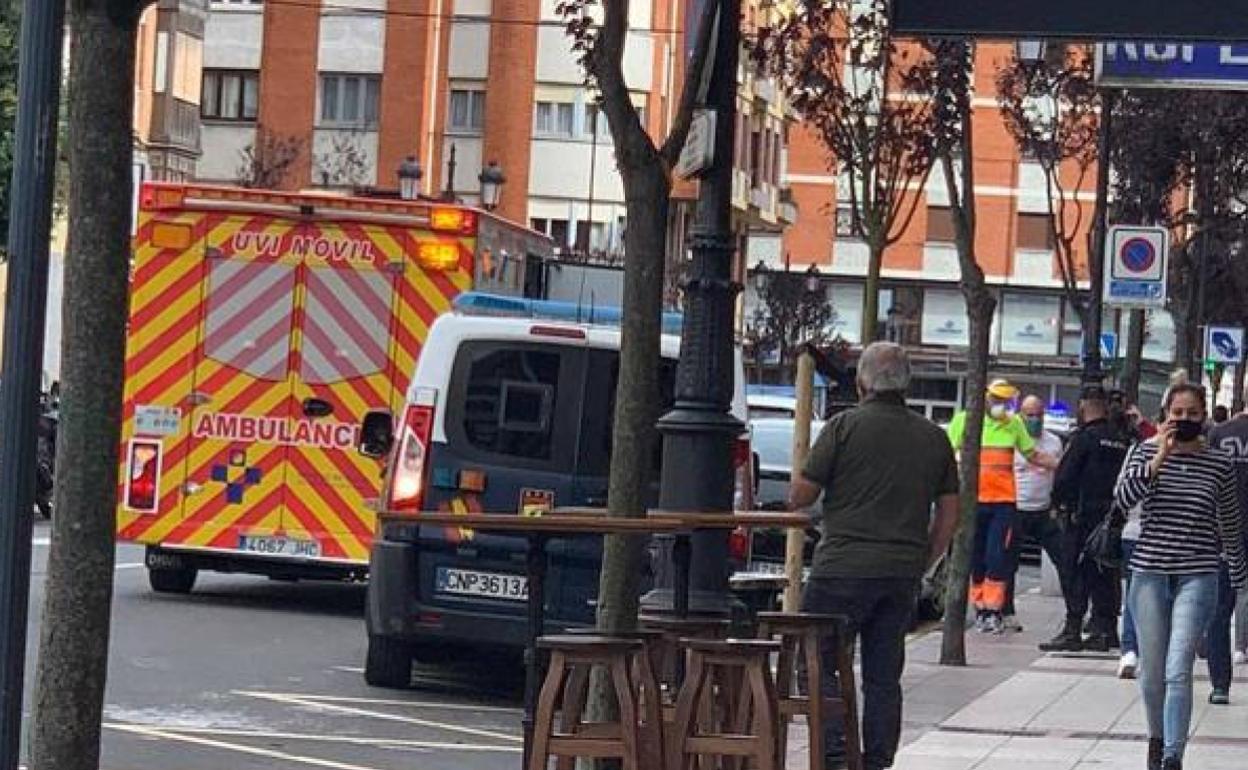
(198, 398)
(317, 407)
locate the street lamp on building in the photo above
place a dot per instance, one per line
(760, 276)
(814, 282)
(492, 180)
(410, 174)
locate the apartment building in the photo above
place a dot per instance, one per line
(341, 91)
(1036, 336)
(169, 57)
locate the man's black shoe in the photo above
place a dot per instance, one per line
(1156, 749)
(1065, 641)
(1097, 643)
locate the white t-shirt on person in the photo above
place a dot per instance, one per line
(1034, 483)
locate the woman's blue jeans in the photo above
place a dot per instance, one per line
(1128, 622)
(1171, 613)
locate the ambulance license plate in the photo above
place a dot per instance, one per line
(488, 585)
(270, 545)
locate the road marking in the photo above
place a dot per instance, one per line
(253, 750)
(308, 703)
(395, 702)
(349, 669)
(44, 541)
(345, 739)
(131, 565)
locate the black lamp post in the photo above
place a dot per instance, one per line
(492, 180)
(410, 174)
(700, 431)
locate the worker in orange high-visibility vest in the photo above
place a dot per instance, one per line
(992, 560)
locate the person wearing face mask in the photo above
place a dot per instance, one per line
(1084, 493)
(1190, 526)
(1034, 497)
(992, 563)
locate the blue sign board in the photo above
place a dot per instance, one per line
(1173, 65)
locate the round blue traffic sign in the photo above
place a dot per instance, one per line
(1138, 254)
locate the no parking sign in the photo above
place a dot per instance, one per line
(1135, 266)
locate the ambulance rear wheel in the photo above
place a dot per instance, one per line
(388, 663)
(172, 581)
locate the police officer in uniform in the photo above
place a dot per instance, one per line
(1084, 492)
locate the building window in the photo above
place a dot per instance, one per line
(230, 95)
(845, 221)
(940, 227)
(553, 119)
(596, 126)
(1035, 232)
(467, 110)
(350, 101)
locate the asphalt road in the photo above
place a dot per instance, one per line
(247, 673)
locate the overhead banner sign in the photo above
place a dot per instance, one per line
(1135, 266)
(1173, 65)
(1166, 20)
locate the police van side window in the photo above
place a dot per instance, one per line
(509, 402)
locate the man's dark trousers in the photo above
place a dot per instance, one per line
(1037, 527)
(1218, 637)
(1084, 581)
(880, 611)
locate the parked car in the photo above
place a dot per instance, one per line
(772, 440)
(504, 414)
(762, 405)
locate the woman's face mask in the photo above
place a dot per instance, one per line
(999, 411)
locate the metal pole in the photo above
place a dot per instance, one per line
(30, 225)
(1096, 259)
(699, 432)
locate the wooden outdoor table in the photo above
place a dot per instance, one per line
(538, 530)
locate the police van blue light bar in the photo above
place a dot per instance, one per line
(480, 303)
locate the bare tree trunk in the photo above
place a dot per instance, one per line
(73, 644)
(871, 298)
(1237, 402)
(979, 309)
(1134, 358)
(637, 394)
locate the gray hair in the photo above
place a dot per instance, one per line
(884, 368)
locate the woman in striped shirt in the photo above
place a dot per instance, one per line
(1190, 523)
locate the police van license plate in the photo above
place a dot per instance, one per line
(489, 585)
(269, 545)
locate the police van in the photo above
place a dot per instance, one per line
(510, 409)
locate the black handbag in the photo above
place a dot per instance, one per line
(1104, 543)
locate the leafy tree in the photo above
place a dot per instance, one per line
(1052, 109)
(790, 313)
(598, 31)
(848, 79)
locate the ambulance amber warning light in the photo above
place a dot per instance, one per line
(452, 221)
(438, 256)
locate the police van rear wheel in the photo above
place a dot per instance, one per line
(389, 663)
(172, 581)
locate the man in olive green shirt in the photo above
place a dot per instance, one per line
(881, 469)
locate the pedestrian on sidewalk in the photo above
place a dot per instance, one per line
(881, 469)
(1231, 436)
(1191, 521)
(1035, 498)
(1084, 493)
(992, 561)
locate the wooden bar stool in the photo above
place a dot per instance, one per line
(744, 729)
(801, 664)
(668, 648)
(635, 738)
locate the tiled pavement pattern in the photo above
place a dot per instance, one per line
(1015, 708)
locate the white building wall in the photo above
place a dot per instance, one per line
(470, 51)
(352, 42)
(330, 148)
(233, 38)
(561, 168)
(223, 145)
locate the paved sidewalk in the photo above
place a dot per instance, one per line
(1015, 708)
